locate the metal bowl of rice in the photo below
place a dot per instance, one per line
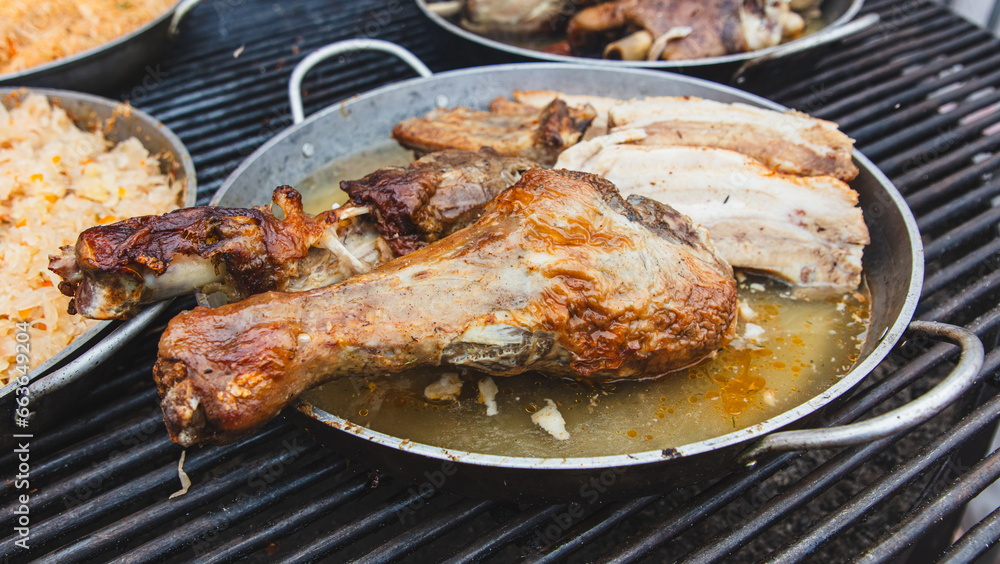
(69, 161)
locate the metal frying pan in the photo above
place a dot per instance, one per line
(839, 15)
(894, 270)
(94, 346)
(108, 67)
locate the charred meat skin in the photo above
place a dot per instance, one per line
(559, 275)
(434, 196)
(509, 128)
(114, 269)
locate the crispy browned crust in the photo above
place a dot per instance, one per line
(619, 296)
(251, 246)
(434, 196)
(509, 128)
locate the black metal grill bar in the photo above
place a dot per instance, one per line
(975, 541)
(949, 309)
(934, 126)
(983, 224)
(908, 84)
(860, 58)
(263, 48)
(373, 520)
(518, 526)
(99, 446)
(952, 499)
(79, 486)
(698, 508)
(130, 494)
(83, 426)
(980, 259)
(284, 525)
(881, 70)
(914, 91)
(590, 529)
(879, 491)
(955, 208)
(935, 165)
(243, 508)
(976, 47)
(800, 493)
(427, 531)
(154, 515)
(961, 180)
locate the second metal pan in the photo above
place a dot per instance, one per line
(893, 267)
(839, 15)
(91, 348)
(106, 68)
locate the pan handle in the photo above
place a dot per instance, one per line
(965, 374)
(807, 43)
(182, 9)
(348, 46)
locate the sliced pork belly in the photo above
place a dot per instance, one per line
(805, 230)
(789, 142)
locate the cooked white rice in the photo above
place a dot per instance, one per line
(57, 180)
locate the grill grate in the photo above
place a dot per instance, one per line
(919, 92)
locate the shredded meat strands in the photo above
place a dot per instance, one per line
(35, 32)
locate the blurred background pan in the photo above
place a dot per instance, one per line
(839, 15)
(109, 67)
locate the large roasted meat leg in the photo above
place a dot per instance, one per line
(559, 275)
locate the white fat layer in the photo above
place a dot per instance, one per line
(808, 231)
(447, 388)
(184, 275)
(493, 335)
(551, 421)
(488, 389)
(753, 332)
(639, 113)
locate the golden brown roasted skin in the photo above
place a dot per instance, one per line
(559, 275)
(509, 128)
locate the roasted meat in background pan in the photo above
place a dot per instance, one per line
(559, 275)
(680, 29)
(113, 269)
(518, 17)
(509, 128)
(808, 231)
(789, 142)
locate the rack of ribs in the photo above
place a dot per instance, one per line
(560, 275)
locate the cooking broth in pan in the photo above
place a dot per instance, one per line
(788, 352)
(802, 348)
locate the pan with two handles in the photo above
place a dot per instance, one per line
(893, 269)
